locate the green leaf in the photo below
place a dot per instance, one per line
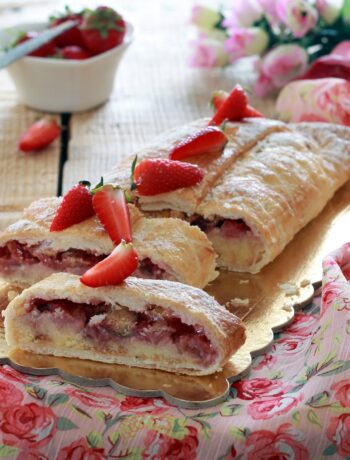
(6, 451)
(336, 368)
(313, 418)
(296, 416)
(35, 391)
(56, 399)
(337, 408)
(231, 409)
(113, 438)
(64, 424)
(100, 415)
(205, 426)
(347, 330)
(81, 411)
(346, 11)
(237, 433)
(330, 450)
(319, 400)
(203, 415)
(94, 439)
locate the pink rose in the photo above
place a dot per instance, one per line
(338, 432)
(139, 405)
(266, 408)
(28, 425)
(342, 50)
(80, 450)
(93, 399)
(342, 392)
(302, 326)
(244, 14)
(329, 9)
(9, 395)
(245, 42)
(12, 374)
(279, 66)
(264, 360)
(208, 52)
(285, 443)
(290, 346)
(298, 15)
(159, 446)
(269, 8)
(256, 388)
(204, 18)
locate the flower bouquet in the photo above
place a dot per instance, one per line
(285, 35)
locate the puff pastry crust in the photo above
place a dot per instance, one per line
(183, 252)
(29, 329)
(271, 179)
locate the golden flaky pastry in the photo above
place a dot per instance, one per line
(145, 323)
(268, 183)
(167, 248)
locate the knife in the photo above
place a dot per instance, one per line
(27, 47)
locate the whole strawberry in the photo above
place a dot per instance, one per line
(74, 52)
(71, 37)
(76, 207)
(46, 50)
(102, 29)
(158, 175)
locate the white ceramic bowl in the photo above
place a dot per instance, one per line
(56, 85)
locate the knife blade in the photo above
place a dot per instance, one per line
(27, 47)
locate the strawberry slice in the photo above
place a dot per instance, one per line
(217, 99)
(157, 175)
(120, 264)
(39, 135)
(208, 140)
(76, 207)
(250, 112)
(232, 108)
(111, 208)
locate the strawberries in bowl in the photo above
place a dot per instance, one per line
(82, 79)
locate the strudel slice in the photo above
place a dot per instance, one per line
(167, 248)
(145, 323)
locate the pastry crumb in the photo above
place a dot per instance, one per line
(243, 281)
(289, 288)
(239, 302)
(287, 308)
(166, 385)
(11, 295)
(305, 282)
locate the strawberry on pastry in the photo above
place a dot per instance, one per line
(232, 108)
(220, 96)
(111, 208)
(76, 207)
(208, 140)
(120, 264)
(102, 29)
(157, 175)
(39, 135)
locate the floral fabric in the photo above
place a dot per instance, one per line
(295, 404)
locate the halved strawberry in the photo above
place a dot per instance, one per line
(157, 175)
(232, 108)
(250, 112)
(76, 207)
(207, 140)
(39, 135)
(110, 206)
(217, 98)
(120, 264)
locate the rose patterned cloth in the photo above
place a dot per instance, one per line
(323, 99)
(295, 404)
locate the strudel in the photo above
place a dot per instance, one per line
(167, 249)
(145, 323)
(270, 180)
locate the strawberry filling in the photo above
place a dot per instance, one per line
(14, 254)
(101, 325)
(229, 228)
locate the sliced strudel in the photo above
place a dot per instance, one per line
(167, 248)
(144, 323)
(270, 180)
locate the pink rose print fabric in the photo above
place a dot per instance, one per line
(294, 404)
